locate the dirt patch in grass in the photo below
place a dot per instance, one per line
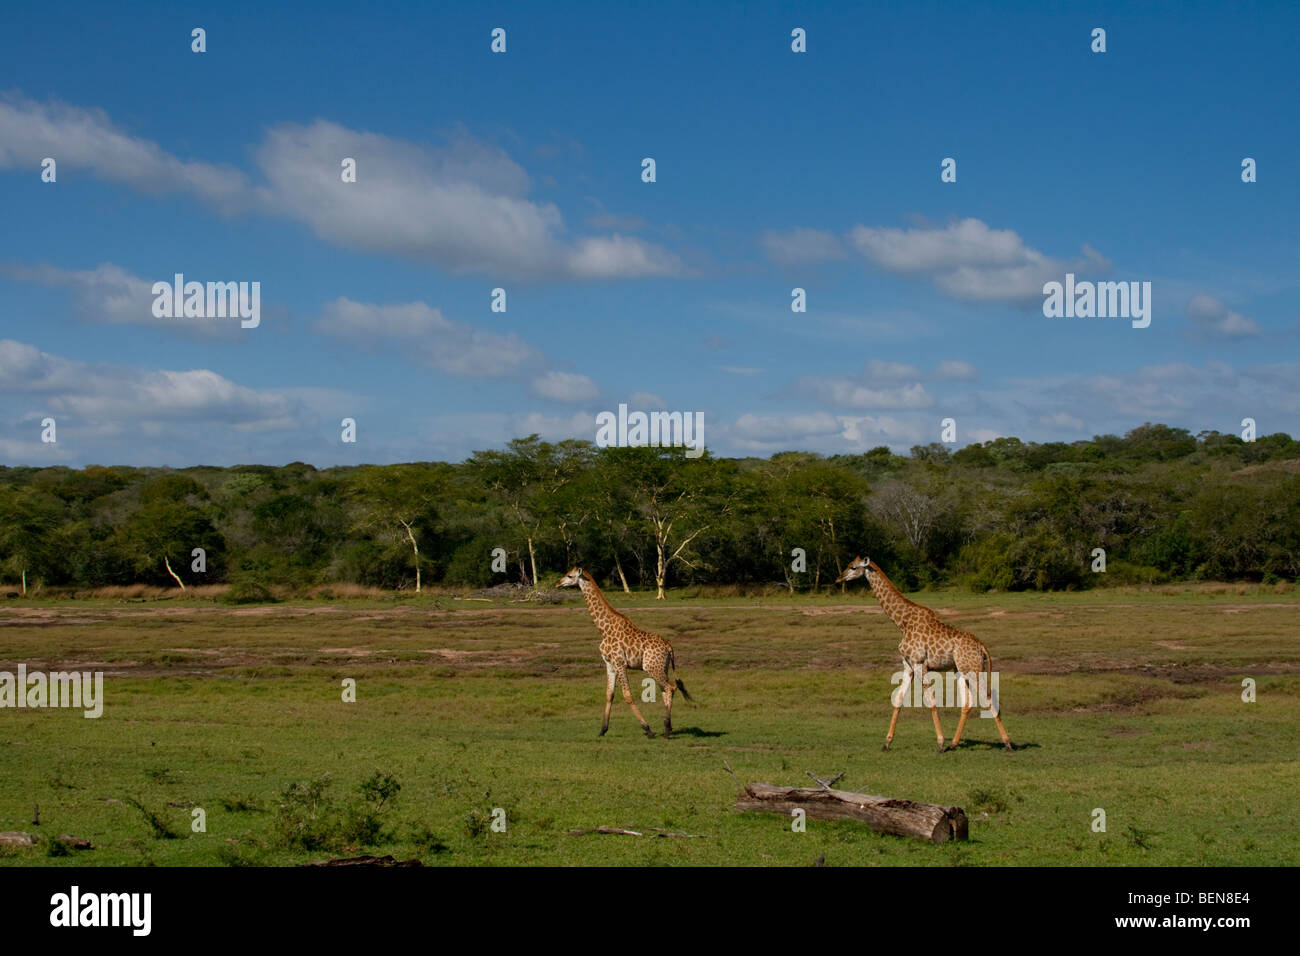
(1135, 700)
(1121, 731)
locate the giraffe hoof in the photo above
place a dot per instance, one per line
(649, 733)
(885, 748)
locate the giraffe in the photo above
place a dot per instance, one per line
(930, 644)
(625, 645)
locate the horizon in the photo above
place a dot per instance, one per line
(707, 452)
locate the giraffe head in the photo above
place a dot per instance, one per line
(572, 579)
(858, 568)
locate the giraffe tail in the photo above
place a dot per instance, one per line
(672, 666)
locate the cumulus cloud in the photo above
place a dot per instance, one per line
(565, 387)
(641, 401)
(429, 337)
(462, 206)
(424, 335)
(969, 261)
(137, 397)
(616, 256)
(86, 139)
(111, 295)
(551, 428)
(847, 394)
(883, 385)
(1214, 318)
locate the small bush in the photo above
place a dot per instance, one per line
(476, 824)
(247, 592)
(308, 819)
(427, 842)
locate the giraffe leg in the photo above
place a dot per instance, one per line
(903, 688)
(934, 711)
(1006, 741)
(997, 718)
(609, 696)
(668, 708)
(660, 675)
(968, 694)
(627, 696)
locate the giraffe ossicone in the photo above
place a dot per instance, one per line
(625, 646)
(928, 644)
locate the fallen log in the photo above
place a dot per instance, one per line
(365, 861)
(924, 821)
(624, 831)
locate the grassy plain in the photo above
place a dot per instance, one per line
(1120, 699)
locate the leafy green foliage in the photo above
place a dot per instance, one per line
(1002, 515)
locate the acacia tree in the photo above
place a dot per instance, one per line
(396, 500)
(524, 480)
(676, 499)
(827, 501)
(172, 520)
(28, 518)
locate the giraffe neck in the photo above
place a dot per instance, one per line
(891, 599)
(600, 608)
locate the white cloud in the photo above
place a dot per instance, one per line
(969, 261)
(86, 139)
(613, 257)
(1214, 318)
(461, 207)
(550, 428)
(104, 393)
(641, 401)
(565, 387)
(109, 294)
(954, 371)
(843, 393)
(452, 347)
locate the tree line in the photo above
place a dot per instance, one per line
(1160, 503)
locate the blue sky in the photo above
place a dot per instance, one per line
(522, 171)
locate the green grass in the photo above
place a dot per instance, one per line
(1124, 700)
